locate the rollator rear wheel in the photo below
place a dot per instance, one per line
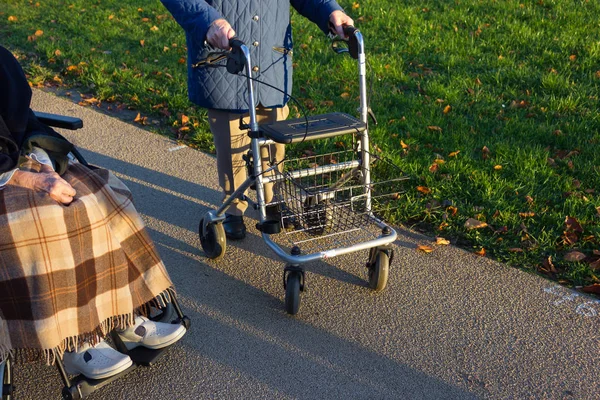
(379, 271)
(212, 239)
(6, 373)
(292, 292)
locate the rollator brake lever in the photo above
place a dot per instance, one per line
(371, 114)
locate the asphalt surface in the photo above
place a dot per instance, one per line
(450, 325)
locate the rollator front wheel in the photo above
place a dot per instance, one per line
(212, 239)
(379, 271)
(6, 373)
(292, 292)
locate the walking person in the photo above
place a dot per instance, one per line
(264, 25)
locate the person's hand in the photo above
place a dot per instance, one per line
(45, 181)
(219, 33)
(338, 20)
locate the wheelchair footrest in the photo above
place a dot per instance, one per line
(317, 127)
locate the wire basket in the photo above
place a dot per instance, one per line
(325, 195)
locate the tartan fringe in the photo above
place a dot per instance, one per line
(72, 343)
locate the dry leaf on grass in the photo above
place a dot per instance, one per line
(473, 223)
(574, 256)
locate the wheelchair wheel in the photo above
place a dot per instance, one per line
(379, 271)
(6, 373)
(212, 239)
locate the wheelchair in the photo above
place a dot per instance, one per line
(79, 386)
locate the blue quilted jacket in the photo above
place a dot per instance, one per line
(264, 25)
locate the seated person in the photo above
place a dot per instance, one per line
(75, 259)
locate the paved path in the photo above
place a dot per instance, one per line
(450, 325)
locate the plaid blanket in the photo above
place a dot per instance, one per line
(73, 273)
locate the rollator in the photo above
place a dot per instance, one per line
(329, 205)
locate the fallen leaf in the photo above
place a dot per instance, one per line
(441, 241)
(454, 153)
(497, 167)
(571, 223)
(481, 252)
(595, 289)
(404, 145)
(184, 119)
(142, 42)
(473, 223)
(423, 189)
(154, 28)
(57, 52)
(39, 32)
(485, 152)
(527, 214)
(447, 109)
(12, 18)
(433, 168)
(574, 255)
(570, 238)
(452, 210)
(434, 128)
(515, 250)
(549, 266)
(424, 249)
(345, 95)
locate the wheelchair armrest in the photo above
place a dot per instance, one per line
(59, 121)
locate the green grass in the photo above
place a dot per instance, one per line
(521, 79)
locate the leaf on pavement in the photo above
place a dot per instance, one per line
(574, 256)
(441, 241)
(473, 223)
(595, 289)
(424, 249)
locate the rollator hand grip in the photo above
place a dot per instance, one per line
(235, 59)
(351, 41)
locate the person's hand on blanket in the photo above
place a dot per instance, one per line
(45, 181)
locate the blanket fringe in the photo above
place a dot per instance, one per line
(72, 343)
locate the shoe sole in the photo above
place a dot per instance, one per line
(133, 345)
(104, 375)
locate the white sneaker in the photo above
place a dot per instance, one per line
(151, 334)
(96, 362)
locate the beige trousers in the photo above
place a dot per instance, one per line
(231, 144)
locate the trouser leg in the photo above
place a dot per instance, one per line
(231, 144)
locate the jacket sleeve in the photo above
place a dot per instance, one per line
(318, 11)
(194, 16)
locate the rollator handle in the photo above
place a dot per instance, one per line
(351, 41)
(235, 59)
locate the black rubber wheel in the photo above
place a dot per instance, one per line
(379, 271)
(212, 239)
(6, 389)
(292, 292)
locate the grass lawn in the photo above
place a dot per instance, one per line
(491, 107)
